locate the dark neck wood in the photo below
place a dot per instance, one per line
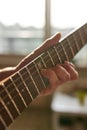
(23, 87)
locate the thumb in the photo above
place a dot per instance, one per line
(48, 43)
(51, 41)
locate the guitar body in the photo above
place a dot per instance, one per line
(20, 89)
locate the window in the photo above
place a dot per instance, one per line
(25, 24)
(22, 25)
(67, 15)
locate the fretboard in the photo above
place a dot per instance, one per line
(23, 87)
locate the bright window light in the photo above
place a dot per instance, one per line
(23, 12)
(68, 13)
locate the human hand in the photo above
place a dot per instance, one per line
(58, 75)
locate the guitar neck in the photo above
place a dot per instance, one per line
(24, 86)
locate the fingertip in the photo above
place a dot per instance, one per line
(56, 37)
(75, 76)
(50, 41)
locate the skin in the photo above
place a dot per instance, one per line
(56, 75)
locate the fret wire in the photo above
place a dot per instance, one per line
(51, 58)
(83, 33)
(56, 51)
(19, 85)
(54, 47)
(61, 52)
(57, 54)
(85, 28)
(54, 55)
(68, 50)
(39, 74)
(76, 42)
(13, 92)
(24, 92)
(9, 104)
(3, 122)
(82, 41)
(30, 85)
(48, 59)
(70, 46)
(64, 52)
(13, 97)
(28, 89)
(77, 35)
(6, 117)
(7, 109)
(40, 63)
(12, 100)
(18, 92)
(43, 61)
(32, 81)
(25, 88)
(73, 44)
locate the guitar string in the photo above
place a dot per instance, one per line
(17, 93)
(33, 73)
(58, 46)
(47, 61)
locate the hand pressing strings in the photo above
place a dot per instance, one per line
(58, 75)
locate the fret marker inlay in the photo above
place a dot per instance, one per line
(70, 47)
(20, 89)
(57, 54)
(65, 52)
(33, 81)
(11, 100)
(11, 117)
(18, 92)
(39, 74)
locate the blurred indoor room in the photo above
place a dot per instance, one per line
(24, 25)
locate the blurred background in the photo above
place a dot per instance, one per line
(24, 25)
